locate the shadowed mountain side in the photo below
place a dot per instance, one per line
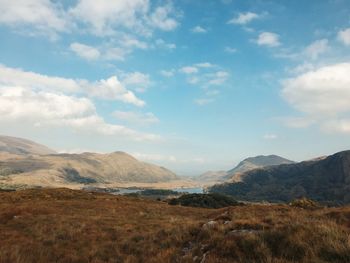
(235, 174)
(325, 179)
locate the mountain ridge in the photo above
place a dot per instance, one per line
(64, 169)
(20, 146)
(321, 179)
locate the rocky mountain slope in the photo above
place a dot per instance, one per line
(325, 179)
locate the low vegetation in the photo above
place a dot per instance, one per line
(304, 203)
(61, 225)
(204, 200)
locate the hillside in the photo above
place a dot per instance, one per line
(85, 168)
(252, 163)
(61, 225)
(324, 179)
(13, 145)
(210, 177)
(23, 162)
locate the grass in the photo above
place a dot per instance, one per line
(61, 225)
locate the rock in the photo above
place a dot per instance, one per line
(204, 257)
(209, 224)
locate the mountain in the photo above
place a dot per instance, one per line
(22, 167)
(210, 177)
(13, 145)
(252, 163)
(235, 174)
(323, 179)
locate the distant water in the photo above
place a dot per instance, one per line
(194, 190)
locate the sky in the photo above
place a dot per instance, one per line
(190, 85)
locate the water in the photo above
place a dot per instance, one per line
(123, 191)
(194, 190)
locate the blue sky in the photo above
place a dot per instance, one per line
(187, 84)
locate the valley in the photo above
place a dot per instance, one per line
(89, 207)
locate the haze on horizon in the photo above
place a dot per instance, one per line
(190, 85)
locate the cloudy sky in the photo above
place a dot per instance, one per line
(191, 85)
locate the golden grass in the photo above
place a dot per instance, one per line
(61, 225)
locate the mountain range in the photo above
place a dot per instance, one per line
(29, 163)
(239, 170)
(325, 179)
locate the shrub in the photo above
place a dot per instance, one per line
(213, 200)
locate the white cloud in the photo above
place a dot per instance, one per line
(211, 93)
(268, 39)
(136, 117)
(161, 18)
(24, 106)
(44, 16)
(189, 70)
(218, 78)
(18, 102)
(137, 81)
(204, 65)
(344, 36)
(115, 53)
(151, 157)
(18, 77)
(193, 80)
(110, 51)
(317, 48)
(104, 16)
(298, 122)
(230, 50)
(162, 44)
(203, 101)
(244, 18)
(337, 126)
(131, 42)
(323, 95)
(110, 89)
(270, 136)
(85, 51)
(113, 89)
(325, 90)
(198, 29)
(167, 73)
(301, 68)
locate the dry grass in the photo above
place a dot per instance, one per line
(61, 225)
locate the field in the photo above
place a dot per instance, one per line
(62, 225)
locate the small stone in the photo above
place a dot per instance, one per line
(210, 224)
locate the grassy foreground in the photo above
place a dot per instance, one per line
(61, 225)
